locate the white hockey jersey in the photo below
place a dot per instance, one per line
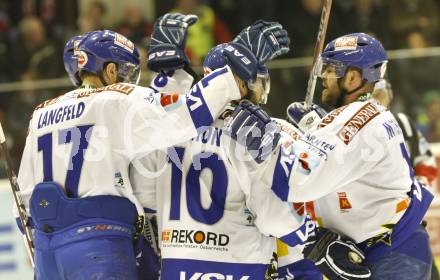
(354, 166)
(86, 139)
(213, 219)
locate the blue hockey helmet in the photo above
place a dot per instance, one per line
(98, 48)
(70, 59)
(357, 50)
(215, 59)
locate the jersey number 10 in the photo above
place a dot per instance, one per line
(215, 211)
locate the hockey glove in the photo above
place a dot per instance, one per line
(303, 118)
(147, 262)
(168, 41)
(266, 40)
(252, 127)
(335, 256)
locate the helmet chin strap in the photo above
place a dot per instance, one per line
(345, 93)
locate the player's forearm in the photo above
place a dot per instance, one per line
(155, 128)
(179, 82)
(208, 98)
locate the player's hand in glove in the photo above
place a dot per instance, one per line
(266, 40)
(335, 256)
(252, 127)
(303, 118)
(168, 41)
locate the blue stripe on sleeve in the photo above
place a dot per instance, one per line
(7, 228)
(8, 266)
(301, 234)
(292, 239)
(198, 109)
(7, 247)
(280, 181)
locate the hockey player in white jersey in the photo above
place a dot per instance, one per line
(74, 170)
(147, 260)
(211, 218)
(211, 221)
(420, 155)
(355, 168)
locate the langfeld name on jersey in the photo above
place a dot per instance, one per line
(60, 114)
(210, 276)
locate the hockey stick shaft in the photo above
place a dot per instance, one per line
(17, 196)
(319, 46)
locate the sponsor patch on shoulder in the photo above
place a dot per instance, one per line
(357, 122)
(123, 88)
(346, 43)
(331, 116)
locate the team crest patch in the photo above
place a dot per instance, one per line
(346, 43)
(82, 59)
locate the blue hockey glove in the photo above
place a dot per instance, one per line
(303, 118)
(335, 256)
(252, 127)
(147, 261)
(168, 41)
(266, 40)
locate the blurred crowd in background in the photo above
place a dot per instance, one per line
(33, 33)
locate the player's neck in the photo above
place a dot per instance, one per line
(360, 95)
(87, 87)
(92, 81)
